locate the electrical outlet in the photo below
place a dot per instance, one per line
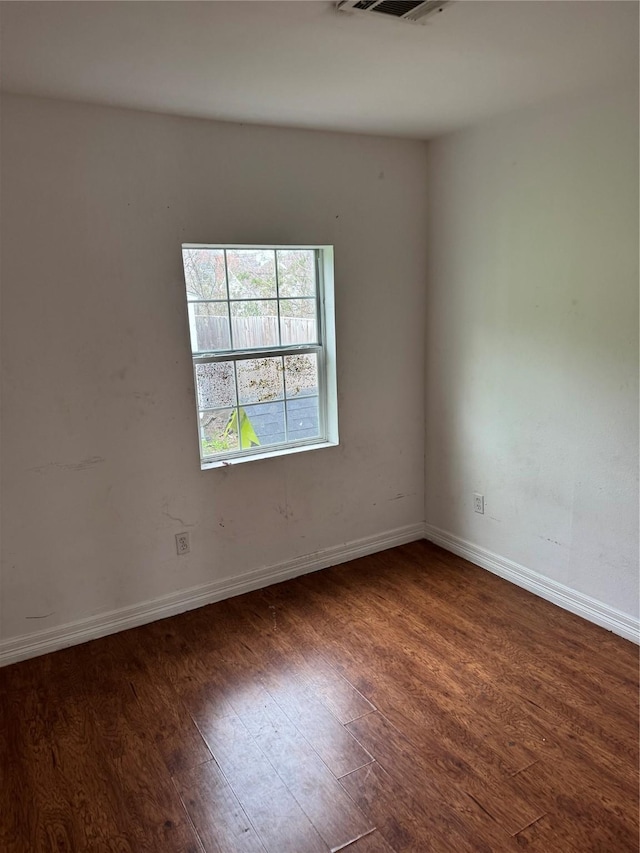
(478, 504)
(182, 543)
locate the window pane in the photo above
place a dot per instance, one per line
(255, 324)
(204, 273)
(260, 380)
(209, 324)
(218, 431)
(296, 272)
(301, 375)
(264, 423)
(298, 321)
(252, 273)
(216, 385)
(303, 418)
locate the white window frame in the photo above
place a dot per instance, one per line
(325, 350)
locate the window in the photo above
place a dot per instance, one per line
(261, 323)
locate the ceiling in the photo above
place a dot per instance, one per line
(303, 64)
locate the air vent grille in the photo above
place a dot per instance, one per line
(414, 11)
(397, 8)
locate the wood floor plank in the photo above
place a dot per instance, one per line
(293, 758)
(405, 691)
(334, 815)
(47, 817)
(176, 735)
(95, 782)
(124, 745)
(282, 825)
(340, 697)
(360, 664)
(311, 626)
(183, 664)
(326, 735)
(579, 826)
(558, 638)
(335, 744)
(494, 689)
(418, 766)
(551, 782)
(505, 768)
(496, 722)
(408, 824)
(288, 674)
(112, 796)
(373, 842)
(521, 709)
(221, 822)
(428, 652)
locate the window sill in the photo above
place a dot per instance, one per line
(267, 454)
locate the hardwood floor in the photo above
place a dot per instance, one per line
(407, 701)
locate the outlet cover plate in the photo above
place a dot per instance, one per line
(182, 544)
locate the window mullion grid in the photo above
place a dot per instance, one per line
(250, 355)
(249, 299)
(208, 409)
(279, 352)
(245, 355)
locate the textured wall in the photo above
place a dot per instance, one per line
(532, 343)
(101, 460)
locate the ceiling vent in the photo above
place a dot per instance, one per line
(414, 11)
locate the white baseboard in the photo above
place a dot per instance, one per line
(73, 633)
(565, 597)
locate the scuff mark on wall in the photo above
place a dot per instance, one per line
(165, 511)
(145, 396)
(285, 511)
(89, 462)
(45, 616)
(553, 541)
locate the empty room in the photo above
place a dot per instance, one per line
(319, 426)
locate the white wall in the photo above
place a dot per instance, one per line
(100, 464)
(531, 352)
(532, 342)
